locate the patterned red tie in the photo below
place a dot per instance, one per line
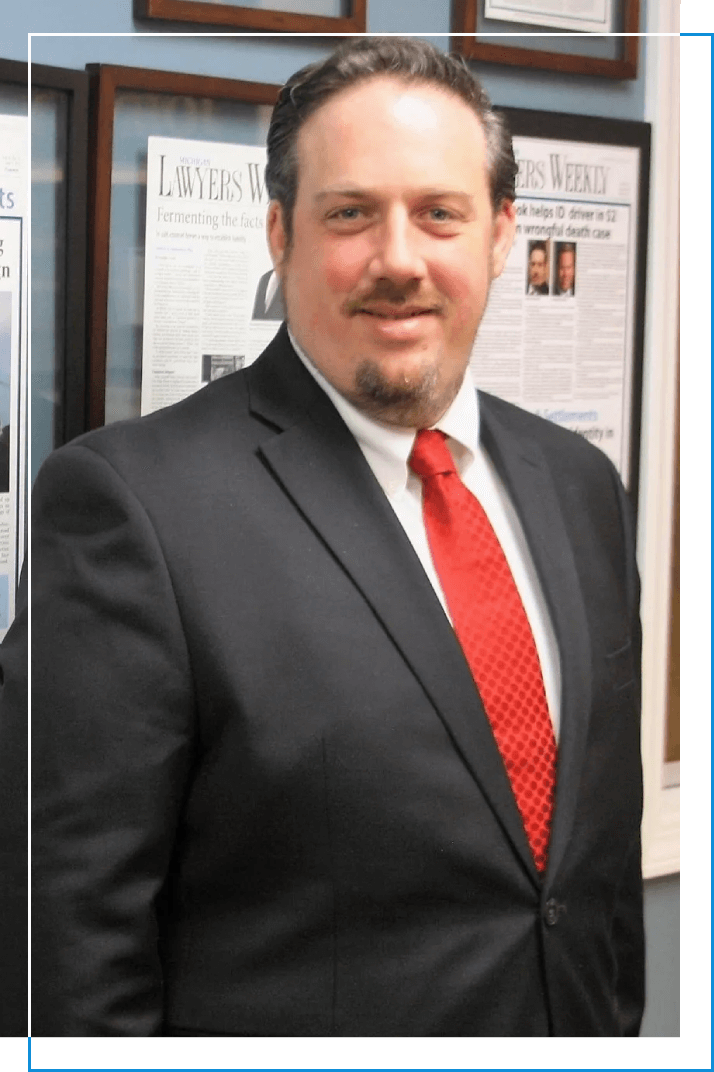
(493, 630)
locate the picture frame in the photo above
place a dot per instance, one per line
(64, 183)
(14, 350)
(672, 718)
(208, 13)
(591, 131)
(472, 37)
(13, 72)
(107, 82)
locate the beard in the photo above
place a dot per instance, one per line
(414, 401)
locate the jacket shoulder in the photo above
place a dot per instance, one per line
(185, 438)
(559, 444)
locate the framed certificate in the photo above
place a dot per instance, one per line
(485, 30)
(287, 16)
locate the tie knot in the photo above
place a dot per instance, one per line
(430, 455)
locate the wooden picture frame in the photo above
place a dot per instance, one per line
(206, 13)
(14, 72)
(13, 97)
(105, 82)
(672, 720)
(72, 412)
(467, 21)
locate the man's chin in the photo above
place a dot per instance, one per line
(409, 400)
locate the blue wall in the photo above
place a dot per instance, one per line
(272, 59)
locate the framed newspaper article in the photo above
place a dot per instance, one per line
(14, 227)
(13, 358)
(130, 106)
(520, 33)
(212, 301)
(573, 289)
(287, 16)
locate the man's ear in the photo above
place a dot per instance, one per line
(504, 231)
(277, 238)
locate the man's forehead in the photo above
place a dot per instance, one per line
(348, 140)
(414, 103)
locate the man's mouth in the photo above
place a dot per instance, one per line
(398, 313)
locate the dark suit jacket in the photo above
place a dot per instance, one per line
(267, 798)
(13, 823)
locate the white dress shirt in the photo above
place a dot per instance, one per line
(387, 449)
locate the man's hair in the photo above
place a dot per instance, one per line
(538, 246)
(566, 247)
(358, 60)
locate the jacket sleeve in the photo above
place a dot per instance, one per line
(628, 924)
(112, 716)
(13, 828)
(628, 939)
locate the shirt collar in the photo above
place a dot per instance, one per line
(386, 447)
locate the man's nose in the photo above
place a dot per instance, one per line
(398, 253)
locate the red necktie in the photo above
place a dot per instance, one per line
(493, 630)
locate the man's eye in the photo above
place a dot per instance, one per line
(350, 213)
(441, 215)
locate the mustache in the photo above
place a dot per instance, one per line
(386, 292)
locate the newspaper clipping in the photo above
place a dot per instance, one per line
(13, 341)
(558, 334)
(211, 299)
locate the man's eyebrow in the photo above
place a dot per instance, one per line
(359, 193)
(342, 191)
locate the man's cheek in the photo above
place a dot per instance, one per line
(344, 267)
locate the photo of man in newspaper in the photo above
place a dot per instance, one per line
(565, 255)
(538, 261)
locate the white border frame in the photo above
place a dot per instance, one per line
(660, 828)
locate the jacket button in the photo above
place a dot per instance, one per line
(552, 911)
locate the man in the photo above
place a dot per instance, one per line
(565, 269)
(270, 799)
(537, 269)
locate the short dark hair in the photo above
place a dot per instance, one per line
(407, 59)
(566, 247)
(539, 246)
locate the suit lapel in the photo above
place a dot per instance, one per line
(317, 461)
(522, 467)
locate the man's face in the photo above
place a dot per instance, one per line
(394, 246)
(537, 268)
(566, 269)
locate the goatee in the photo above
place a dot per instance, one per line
(415, 401)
